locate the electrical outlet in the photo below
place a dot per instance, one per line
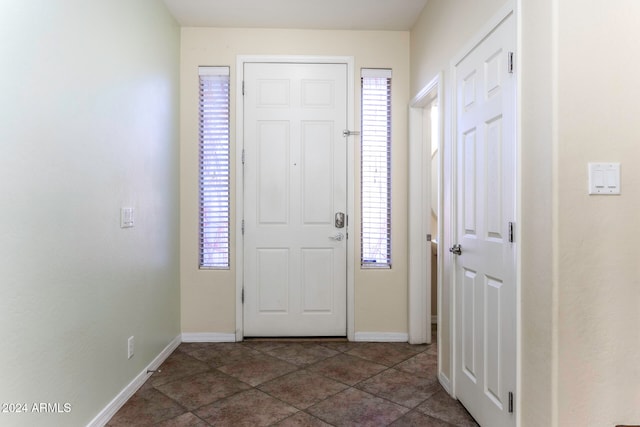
(130, 343)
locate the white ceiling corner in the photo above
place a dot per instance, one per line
(399, 15)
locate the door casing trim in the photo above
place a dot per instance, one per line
(239, 176)
(419, 218)
(419, 290)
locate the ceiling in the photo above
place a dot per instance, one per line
(308, 14)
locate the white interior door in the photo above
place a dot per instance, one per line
(295, 183)
(485, 269)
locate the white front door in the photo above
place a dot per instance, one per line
(295, 187)
(485, 268)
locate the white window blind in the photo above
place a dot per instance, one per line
(376, 168)
(214, 167)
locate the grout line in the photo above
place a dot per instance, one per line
(298, 368)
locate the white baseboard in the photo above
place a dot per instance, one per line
(445, 383)
(207, 337)
(110, 410)
(382, 336)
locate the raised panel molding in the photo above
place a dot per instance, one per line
(274, 93)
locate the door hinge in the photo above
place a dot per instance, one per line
(243, 226)
(242, 296)
(428, 237)
(243, 88)
(510, 63)
(243, 156)
(511, 402)
(511, 231)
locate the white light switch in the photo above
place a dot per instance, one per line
(126, 217)
(604, 178)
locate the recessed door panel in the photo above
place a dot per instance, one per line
(317, 280)
(469, 324)
(318, 93)
(493, 331)
(469, 90)
(493, 69)
(495, 187)
(273, 280)
(273, 93)
(469, 176)
(273, 172)
(317, 172)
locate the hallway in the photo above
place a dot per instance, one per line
(295, 383)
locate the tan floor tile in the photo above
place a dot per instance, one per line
(340, 346)
(301, 419)
(416, 419)
(424, 365)
(178, 365)
(444, 407)
(302, 354)
(302, 388)
(203, 388)
(347, 369)
(184, 420)
(390, 379)
(249, 408)
(356, 408)
(146, 408)
(400, 387)
(255, 370)
(220, 354)
(388, 354)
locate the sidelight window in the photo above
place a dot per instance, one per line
(376, 168)
(214, 167)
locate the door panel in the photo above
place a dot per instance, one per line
(469, 325)
(317, 177)
(493, 304)
(272, 161)
(273, 280)
(294, 182)
(485, 269)
(317, 271)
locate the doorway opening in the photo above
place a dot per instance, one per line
(425, 125)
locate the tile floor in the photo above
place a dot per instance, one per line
(285, 383)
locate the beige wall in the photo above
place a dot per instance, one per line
(579, 274)
(537, 210)
(208, 296)
(599, 272)
(88, 123)
(442, 30)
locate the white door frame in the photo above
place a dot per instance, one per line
(420, 213)
(508, 8)
(239, 185)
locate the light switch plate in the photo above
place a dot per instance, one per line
(604, 178)
(126, 217)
